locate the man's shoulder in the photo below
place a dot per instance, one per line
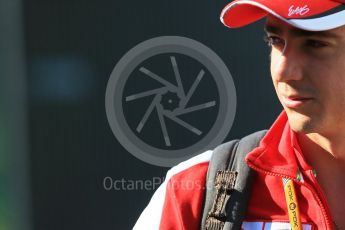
(221, 151)
(188, 166)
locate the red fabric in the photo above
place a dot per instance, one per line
(184, 199)
(277, 156)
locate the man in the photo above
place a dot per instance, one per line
(305, 147)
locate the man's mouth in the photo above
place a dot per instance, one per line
(295, 101)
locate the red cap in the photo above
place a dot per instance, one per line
(313, 15)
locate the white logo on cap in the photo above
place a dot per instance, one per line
(298, 10)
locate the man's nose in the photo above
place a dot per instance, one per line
(286, 65)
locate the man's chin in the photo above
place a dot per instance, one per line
(300, 123)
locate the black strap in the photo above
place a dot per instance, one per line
(228, 184)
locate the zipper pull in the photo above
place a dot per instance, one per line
(314, 173)
(299, 177)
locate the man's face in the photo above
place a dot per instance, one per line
(308, 72)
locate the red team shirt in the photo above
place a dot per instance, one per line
(177, 203)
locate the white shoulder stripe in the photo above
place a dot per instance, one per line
(150, 218)
(201, 158)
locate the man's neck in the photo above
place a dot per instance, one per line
(317, 146)
(327, 157)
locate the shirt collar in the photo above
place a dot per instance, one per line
(298, 152)
(276, 152)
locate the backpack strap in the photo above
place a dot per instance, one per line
(228, 184)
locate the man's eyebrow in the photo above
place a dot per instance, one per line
(271, 29)
(300, 33)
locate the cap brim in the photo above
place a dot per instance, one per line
(243, 12)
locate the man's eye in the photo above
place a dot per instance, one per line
(273, 40)
(315, 43)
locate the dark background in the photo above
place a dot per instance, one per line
(57, 56)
